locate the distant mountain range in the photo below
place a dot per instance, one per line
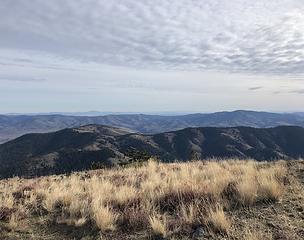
(300, 113)
(93, 146)
(12, 126)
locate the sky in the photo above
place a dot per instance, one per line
(151, 55)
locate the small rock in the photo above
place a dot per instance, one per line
(199, 233)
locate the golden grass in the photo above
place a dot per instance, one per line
(256, 234)
(269, 186)
(247, 189)
(159, 225)
(189, 213)
(218, 220)
(104, 217)
(163, 196)
(13, 221)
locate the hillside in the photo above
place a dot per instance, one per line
(95, 146)
(215, 200)
(12, 126)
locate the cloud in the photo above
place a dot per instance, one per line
(235, 36)
(289, 91)
(255, 88)
(20, 78)
(298, 91)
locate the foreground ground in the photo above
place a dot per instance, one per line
(197, 200)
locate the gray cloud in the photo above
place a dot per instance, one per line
(298, 91)
(289, 91)
(236, 36)
(255, 88)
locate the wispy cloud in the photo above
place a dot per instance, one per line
(298, 91)
(20, 78)
(255, 88)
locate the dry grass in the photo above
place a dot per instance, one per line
(218, 220)
(189, 213)
(256, 234)
(13, 221)
(104, 217)
(170, 198)
(269, 187)
(159, 225)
